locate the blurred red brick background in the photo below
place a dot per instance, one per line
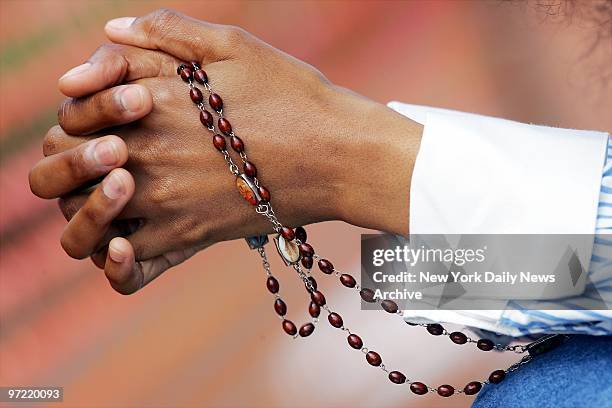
(205, 334)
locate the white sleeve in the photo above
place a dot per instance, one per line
(477, 174)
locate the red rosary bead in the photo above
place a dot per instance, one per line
(367, 295)
(237, 144)
(373, 358)
(458, 338)
(307, 329)
(497, 376)
(272, 284)
(250, 169)
(314, 310)
(318, 298)
(324, 265)
(355, 341)
(389, 306)
(196, 95)
(300, 233)
(419, 388)
(347, 280)
(200, 76)
(307, 262)
(485, 344)
(396, 377)
(264, 193)
(472, 388)
(288, 233)
(219, 142)
(180, 68)
(335, 320)
(307, 250)
(289, 327)
(186, 74)
(225, 126)
(280, 307)
(445, 390)
(206, 118)
(313, 282)
(215, 102)
(435, 329)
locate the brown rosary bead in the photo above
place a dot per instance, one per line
(272, 284)
(200, 76)
(180, 68)
(307, 329)
(373, 358)
(318, 298)
(347, 280)
(307, 250)
(472, 388)
(497, 376)
(219, 142)
(435, 329)
(313, 282)
(389, 306)
(458, 338)
(485, 344)
(264, 193)
(280, 307)
(300, 233)
(396, 377)
(446, 390)
(288, 233)
(215, 102)
(367, 295)
(186, 74)
(419, 388)
(314, 310)
(335, 320)
(250, 169)
(206, 118)
(325, 266)
(195, 65)
(307, 262)
(289, 327)
(237, 144)
(196, 95)
(355, 341)
(225, 126)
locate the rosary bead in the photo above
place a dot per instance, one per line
(318, 298)
(435, 329)
(280, 307)
(289, 327)
(186, 74)
(237, 144)
(264, 193)
(300, 233)
(195, 65)
(180, 68)
(485, 344)
(335, 320)
(219, 142)
(272, 284)
(419, 388)
(497, 376)
(215, 102)
(389, 306)
(445, 390)
(307, 250)
(373, 358)
(288, 233)
(313, 282)
(307, 262)
(367, 295)
(250, 169)
(225, 126)
(347, 280)
(307, 329)
(314, 310)
(458, 338)
(397, 377)
(355, 341)
(206, 118)
(196, 95)
(324, 265)
(472, 388)
(200, 76)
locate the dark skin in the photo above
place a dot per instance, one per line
(324, 152)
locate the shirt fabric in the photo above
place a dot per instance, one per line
(482, 175)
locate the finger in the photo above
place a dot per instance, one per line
(184, 37)
(113, 64)
(57, 141)
(62, 173)
(110, 107)
(82, 235)
(127, 276)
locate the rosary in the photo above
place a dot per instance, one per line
(294, 250)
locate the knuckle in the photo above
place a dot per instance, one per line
(231, 36)
(93, 215)
(161, 21)
(190, 230)
(78, 165)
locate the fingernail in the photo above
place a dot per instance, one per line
(115, 253)
(106, 153)
(112, 186)
(120, 23)
(77, 70)
(131, 98)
